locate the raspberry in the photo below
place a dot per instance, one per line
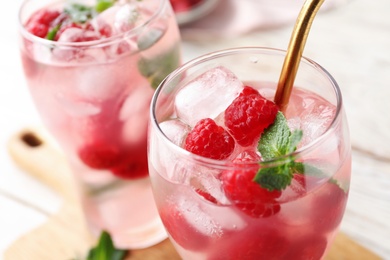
(209, 140)
(248, 116)
(134, 166)
(184, 5)
(100, 155)
(39, 23)
(246, 194)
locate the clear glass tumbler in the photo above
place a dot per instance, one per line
(248, 204)
(92, 68)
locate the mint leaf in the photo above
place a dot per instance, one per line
(310, 170)
(52, 33)
(295, 138)
(304, 168)
(156, 69)
(277, 141)
(274, 178)
(105, 249)
(102, 5)
(79, 13)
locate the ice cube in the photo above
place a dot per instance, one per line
(77, 108)
(75, 34)
(207, 218)
(207, 182)
(318, 120)
(175, 130)
(107, 17)
(315, 119)
(98, 82)
(126, 17)
(101, 27)
(208, 95)
(175, 170)
(134, 113)
(310, 113)
(75, 53)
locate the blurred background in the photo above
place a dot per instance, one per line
(350, 38)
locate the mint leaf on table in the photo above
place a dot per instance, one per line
(105, 249)
(157, 68)
(277, 141)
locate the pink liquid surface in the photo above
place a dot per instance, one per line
(94, 98)
(311, 208)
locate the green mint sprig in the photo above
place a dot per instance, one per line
(52, 33)
(277, 141)
(157, 68)
(79, 13)
(310, 170)
(105, 249)
(102, 5)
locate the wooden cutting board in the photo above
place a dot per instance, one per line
(65, 236)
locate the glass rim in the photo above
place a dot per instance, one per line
(228, 52)
(94, 43)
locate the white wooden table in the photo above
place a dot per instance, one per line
(352, 42)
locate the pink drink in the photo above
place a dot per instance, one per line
(210, 217)
(92, 86)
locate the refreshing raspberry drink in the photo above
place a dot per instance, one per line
(236, 178)
(92, 68)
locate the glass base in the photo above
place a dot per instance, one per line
(125, 209)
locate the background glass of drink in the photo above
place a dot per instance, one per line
(209, 216)
(92, 87)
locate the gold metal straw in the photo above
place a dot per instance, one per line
(294, 52)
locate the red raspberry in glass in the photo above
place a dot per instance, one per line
(100, 155)
(248, 116)
(131, 169)
(133, 166)
(209, 140)
(184, 5)
(40, 22)
(246, 194)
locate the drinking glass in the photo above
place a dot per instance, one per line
(93, 94)
(209, 207)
